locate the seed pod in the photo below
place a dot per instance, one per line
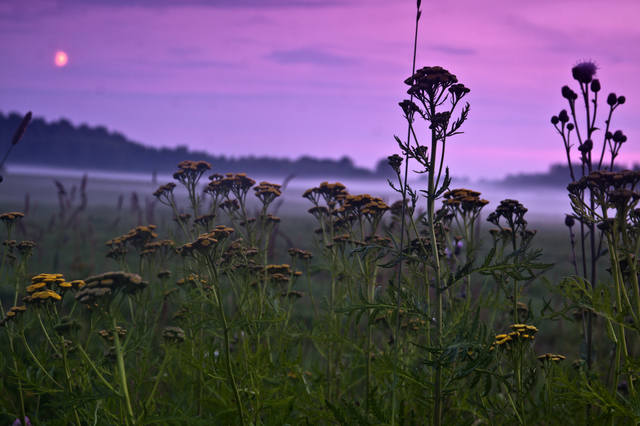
(21, 129)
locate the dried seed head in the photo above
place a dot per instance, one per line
(21, 129)
(584, 71)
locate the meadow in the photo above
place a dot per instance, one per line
(205, 300)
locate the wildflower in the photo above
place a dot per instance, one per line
(11, 217)
(569, 220)
(551, 357)
(427, 81)
(173, 334)
(584, 71)
(569, 94)
(302, 254)
(267, 192)
(108, 335)
(108, 284)
(205, 220)
(189, 172)
(165, 193)
(409, 109)
(18, 422)
(43, 296)
(12, 314)
(395, 161)
(191, 279)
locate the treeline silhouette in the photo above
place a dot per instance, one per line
(558, 176)
(61, 144)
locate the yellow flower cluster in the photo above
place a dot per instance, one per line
(464, 200)
(108, 335)
(302, 254)
(206, 241)
(191, 171)
(137, 237)
(267, 192)
(237, 183)
(11, 217)
(107, 284)
(12, 314)
(548, 357)
(191, 279)
(47, 287)
(363, 205)
(162, 247)
(520, 333)
(164, 191)
(281, 273)
(173, 334)
(331, 192)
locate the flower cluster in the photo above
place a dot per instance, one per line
(610, 189)
(11, 218)
(49, 288)
(464, 201)
(190, 172)
(165, 193)
(548, 357)
(108, 284)
(299, 253)
(520, 333)
(191, 279)
(267, 192)
(108, 335)
(332, 193)
(206, 241)
(12, 314)
(428, 82)
(173, 334)
(238, 184)
(137, 237)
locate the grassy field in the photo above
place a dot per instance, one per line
(292, 378)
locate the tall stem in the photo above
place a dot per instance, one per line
(431, 200)
(396, 348)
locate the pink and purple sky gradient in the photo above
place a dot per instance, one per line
(319, 77)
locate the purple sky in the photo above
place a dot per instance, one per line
(319, 77)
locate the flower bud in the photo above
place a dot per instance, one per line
(608, 135)
(395, 161)
(586, 146)
(21, 129)
(584, 72)
(568, 94)
(595, 86)
(621, 100)
(569, 220)
(618, 135)
(563, 116)
(612, 99)
(570, 126)
(555, 120)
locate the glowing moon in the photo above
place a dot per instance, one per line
(61, 59)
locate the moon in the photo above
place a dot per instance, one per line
(61, 59)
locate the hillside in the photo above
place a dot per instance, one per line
(63, 144)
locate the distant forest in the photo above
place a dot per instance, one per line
(558, 176)
(61, 144)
